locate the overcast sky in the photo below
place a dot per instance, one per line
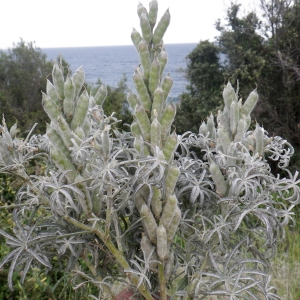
(74, 23)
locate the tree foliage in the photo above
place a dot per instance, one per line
(261, 50)
(205, 75)
(23, 73)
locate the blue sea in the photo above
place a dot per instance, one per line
(109, 63)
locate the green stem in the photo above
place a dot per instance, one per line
(109, 204)
(97, 276)
(117, 229)
(162, 282)
(12, 206)
(202, 267)
(115, 252)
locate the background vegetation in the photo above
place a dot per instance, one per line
(260, 48)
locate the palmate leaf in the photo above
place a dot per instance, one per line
(199, 185)
(233, 277)
(26, 268)
(11, 240)
(25, 252)
(61, 193)
(42, 259)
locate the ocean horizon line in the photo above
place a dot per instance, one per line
(106, 46)
(101, 46)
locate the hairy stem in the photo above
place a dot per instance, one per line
(97, 276)
(162, 282)
(108, 210)
(115, 252)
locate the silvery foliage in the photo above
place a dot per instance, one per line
(94, 200)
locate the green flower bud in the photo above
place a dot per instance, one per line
(167, 119)
(259, 139)
(141, 197)
(101, 95)
(234, 116)
(157, 104)
(149, 222)
(223, 121)
(203, 129)
(162, 244)
(141, 9)
(106, 142)
(92, 102)
(137, 144)
(174, 225)
(69, 98)
(6, 146)
(153, 8)
(145, 26)
(13, 130)
(58, 80)
(163, 59)
(211, 127)
(154, 75)
(132, 99)
(167, 85)
(218, 178)
(142, 90)
(155, 133)
(228, 95)
(232, 155)
(169, 266)
(50, 107)
(79, 134)
(171, 180)
(53, 94)
(143, 121)
(224, 139)
(145, 58)
(170, 147)
(168, 211)
(156, 202)
(136, 38)
(86, 127)
(250, 142)
(64, 130)
(97, 201)
(78, 80)
(81, 110)
(241, 129)
(135, 129)
(250, 103)
(63, 163)
(161, 28)
(149, 252)
(57, 141)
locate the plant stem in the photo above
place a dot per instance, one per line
(115, 252)
(97, 276)
(108, 209)
(162, 282)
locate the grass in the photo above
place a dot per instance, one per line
(286, 266)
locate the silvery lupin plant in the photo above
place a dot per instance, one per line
(139, 207)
